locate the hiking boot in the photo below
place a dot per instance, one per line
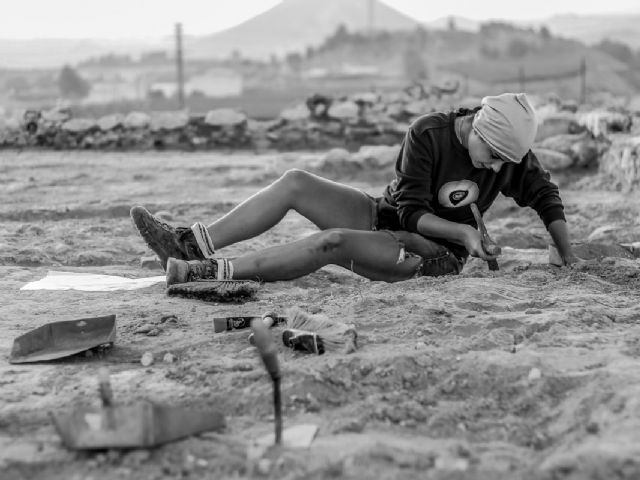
(182, 271)
(165, 240)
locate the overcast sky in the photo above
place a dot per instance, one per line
(156, 18)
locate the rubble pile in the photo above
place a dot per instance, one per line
(569, 136)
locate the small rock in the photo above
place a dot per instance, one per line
(169, 319)
(593, 428)
(420, 345)
(146, 328)
(313, 404)
(146, 359)
(354, 425)
(169, 358)
(154, 332)
(150, 263)
(534, 374)
(264, 466)
(202, 463)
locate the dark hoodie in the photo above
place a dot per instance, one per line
(434, 174)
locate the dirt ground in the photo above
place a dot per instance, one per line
(529, 372)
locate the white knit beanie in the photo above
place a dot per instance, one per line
(508, 124)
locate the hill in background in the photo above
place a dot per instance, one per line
(294, 25)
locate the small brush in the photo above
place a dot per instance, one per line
(318, 334)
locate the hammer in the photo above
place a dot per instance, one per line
(269, 354)
(488, 245)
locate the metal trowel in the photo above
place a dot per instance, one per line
(143, 424)
(62, 339)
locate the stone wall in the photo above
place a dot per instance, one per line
(568, 138)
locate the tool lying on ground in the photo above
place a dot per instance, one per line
(313, 333)
(318, 334)
(215, 290)
(297, 436)
(269, 355)
(62, 339)
(140, 425)
(488, 245)
(223, 324)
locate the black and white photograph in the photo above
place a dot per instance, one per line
(319, 239)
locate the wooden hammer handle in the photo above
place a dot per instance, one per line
(488, 245)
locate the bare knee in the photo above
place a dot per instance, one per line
(330, 241)
(296, 180)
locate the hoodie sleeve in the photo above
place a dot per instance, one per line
(412, 192)
(530, 186)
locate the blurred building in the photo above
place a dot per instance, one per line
(216, 82)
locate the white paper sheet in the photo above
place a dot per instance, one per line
(90, 282)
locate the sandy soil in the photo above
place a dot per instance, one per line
(529, 372)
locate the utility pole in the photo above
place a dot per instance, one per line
(179, 65)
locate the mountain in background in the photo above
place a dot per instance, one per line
(592, 29)
(55, 52)
(589, 29)
(293, 25)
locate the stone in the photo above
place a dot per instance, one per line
(150, 263)
(168, 121)
(110, 122)
(418, 107)
(379, 155)
(169, 358)
(56, 115)
(534, 374)
(557, 124)
(78, 125)
(146, 359)
(296, 114)
(344, 110)
(552, 160)
(622, 161)
(224, 117)
(145, 328)
(336, 155)
(137, 120)
(603, 122)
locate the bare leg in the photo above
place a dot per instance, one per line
(373, 255)
(327, 204)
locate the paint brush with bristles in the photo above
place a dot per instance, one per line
(318, 334)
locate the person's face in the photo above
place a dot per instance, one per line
(482, 155)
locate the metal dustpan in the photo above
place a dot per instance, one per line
(62, 339)
(141, 425)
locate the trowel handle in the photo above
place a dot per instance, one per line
(104, 387)
(266, 347)
(269, 354)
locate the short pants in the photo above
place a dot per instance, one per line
(437, 259)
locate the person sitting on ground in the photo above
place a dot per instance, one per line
(422, 224)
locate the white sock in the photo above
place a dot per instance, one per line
(203, 239)
(225, 269)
